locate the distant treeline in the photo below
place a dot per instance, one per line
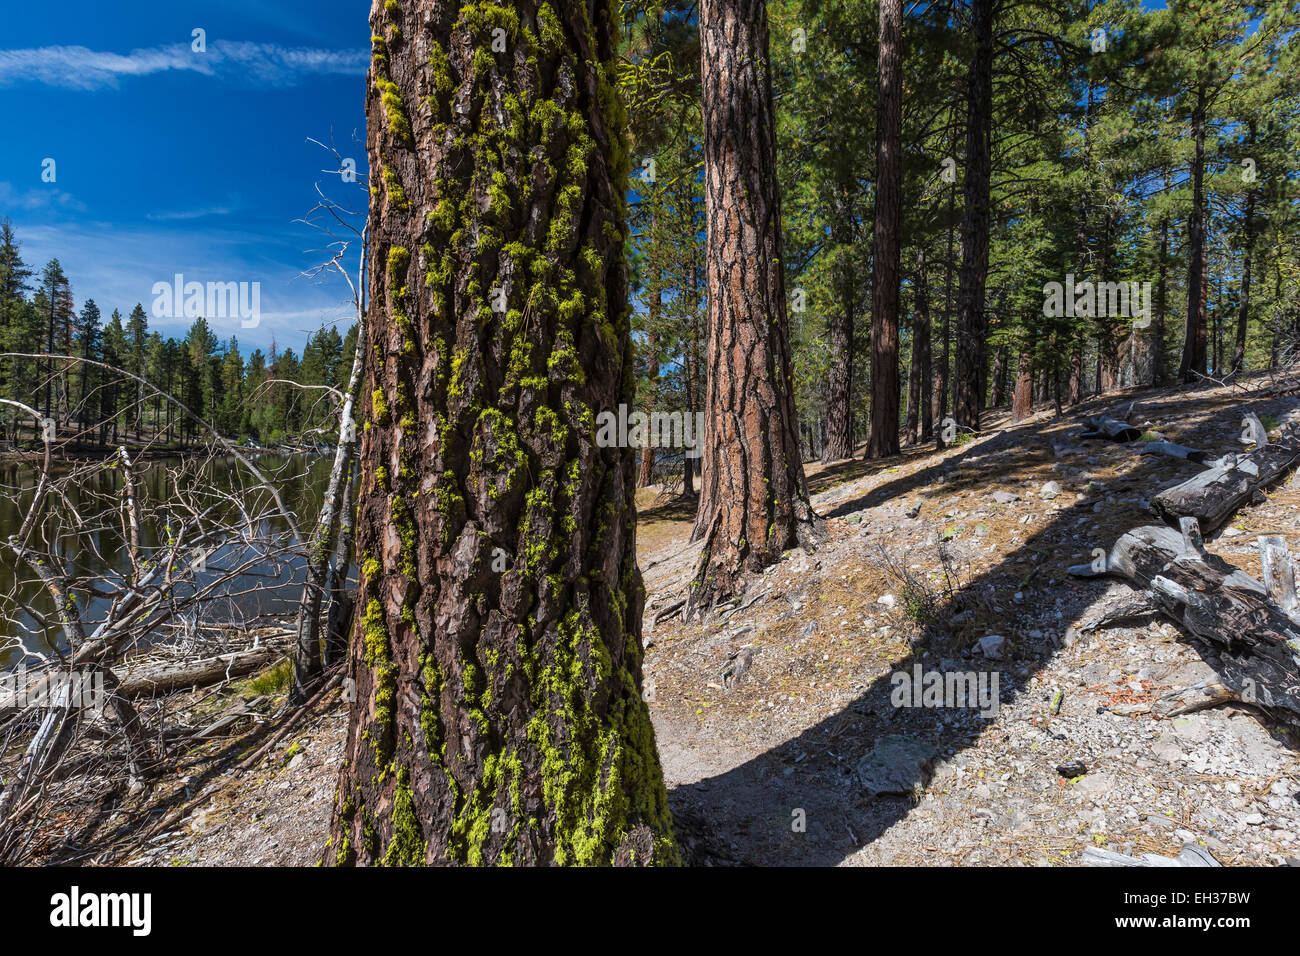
(255, 398)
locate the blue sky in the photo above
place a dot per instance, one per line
(173, 161)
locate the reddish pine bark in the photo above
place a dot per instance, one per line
(754, 500)
(883, 440)
(967, 392)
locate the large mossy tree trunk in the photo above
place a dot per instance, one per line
(498, 715)
(754, 500)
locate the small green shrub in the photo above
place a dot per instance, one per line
(276, 679)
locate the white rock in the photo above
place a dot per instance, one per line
(993, 645)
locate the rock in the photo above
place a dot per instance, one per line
(1049, 490)
(993, 646)
(888, 600)
(1253, 819)
(915, 510)
(1094, 783)
(895, 764)
(1167, 749)
(1005, 497)
(1072, 768)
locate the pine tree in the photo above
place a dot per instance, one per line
(112, 390)
(883, 439)
(88, 341)
(137, 339)
(57, 307)
(497, 660)
(754, 500)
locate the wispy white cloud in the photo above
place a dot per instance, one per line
(45, 197)
(185, 215)
(81, 68)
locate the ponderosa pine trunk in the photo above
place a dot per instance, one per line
(1022, 398)
(498, 715)
(939, 404)
(919, 420)
(1194, 333)
(647, 468)
(999, 377)
(754, 499)
(1243, 313)
(1076, 367)
(967, 395)
(839, 378)
(883, 438)
(1158, 360)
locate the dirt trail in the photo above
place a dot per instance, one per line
(775, 725)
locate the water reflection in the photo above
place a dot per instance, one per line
(93, 550)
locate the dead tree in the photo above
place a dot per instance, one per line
(309, 655)
(149, 560)
(1249, 630)
(1216, 494)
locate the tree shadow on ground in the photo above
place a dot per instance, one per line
(747, 814)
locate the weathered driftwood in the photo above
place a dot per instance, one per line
(42, 749)
(1192, 855)
(1256, 642)
(1215, 495)
(1278, 571)
(1175, 450)
(224, 723)
(1202, 695)
(1112, 429)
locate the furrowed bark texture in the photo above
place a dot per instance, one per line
(498, 715)
(1194, 331)
(883, 440)
(1022, 399)
(754, 501)
(919, 420)
(839, 378)
(967, 394)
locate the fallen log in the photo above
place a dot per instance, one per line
(1176, 451)
(242, 710)
(43, 685)
(1215, 495)
(1102, 426)
(1191, 856)
(1254, 644)
(184, 674)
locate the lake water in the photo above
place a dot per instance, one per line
(96, 549)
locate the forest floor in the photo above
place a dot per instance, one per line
(779, 741)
